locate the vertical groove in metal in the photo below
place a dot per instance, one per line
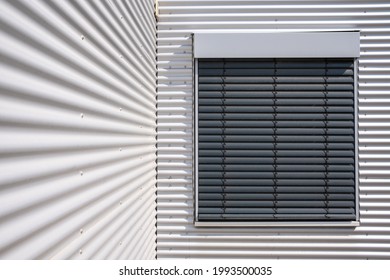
(177, 237)
(77, 129)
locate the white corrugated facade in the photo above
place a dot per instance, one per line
(77, 129)
(176, 235)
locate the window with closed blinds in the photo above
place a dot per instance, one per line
(275, 140)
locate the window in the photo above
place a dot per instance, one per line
(275, 139)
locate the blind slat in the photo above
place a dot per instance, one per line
(279, 160)
(206, 108)
(276, 175)
(280, 182)
(269, 203)
(281, 63)
(280, 72)
(279, 94)
(268, 167)
(245, 87)
(277, 217)
(281, 189)
(278, 153)
(203, 131)
(278, 124)
(270, 80)
(280, 116)
(281, 210)
(281, 138)
(279, 146)
(271, 197)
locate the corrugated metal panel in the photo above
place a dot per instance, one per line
(78, 129)
(177, 237)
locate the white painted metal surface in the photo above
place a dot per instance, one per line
(281, 44)
(176, 235)
(77, 129)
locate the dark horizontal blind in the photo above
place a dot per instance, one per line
(276, 140)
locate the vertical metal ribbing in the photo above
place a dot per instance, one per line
(274, 121)
(78, 105)
(223, 138)
(326, 140)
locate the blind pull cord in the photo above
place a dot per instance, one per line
(223, 140)
(274, 136)
(326, 142)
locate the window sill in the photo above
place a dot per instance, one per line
(277, 224)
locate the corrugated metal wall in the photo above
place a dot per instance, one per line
(77, 129)
(176, 235)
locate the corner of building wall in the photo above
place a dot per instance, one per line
(76, 130)
(156, 9)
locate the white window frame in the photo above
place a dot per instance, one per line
(262, 45)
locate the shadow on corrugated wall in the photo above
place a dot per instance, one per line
(176, 235)
(77, 129)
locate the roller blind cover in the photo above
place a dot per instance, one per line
(276, 140)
